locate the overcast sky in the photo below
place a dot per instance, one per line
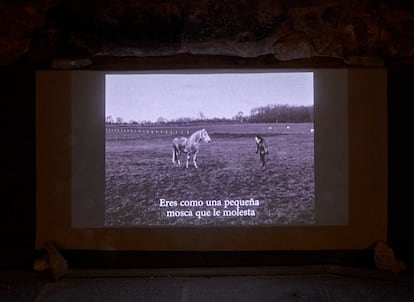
(141, 97)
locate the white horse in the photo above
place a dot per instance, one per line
(189, 146)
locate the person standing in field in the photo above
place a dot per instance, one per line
(261, 148)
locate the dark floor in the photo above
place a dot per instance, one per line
(306, 283)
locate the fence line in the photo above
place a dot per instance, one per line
(147, 131)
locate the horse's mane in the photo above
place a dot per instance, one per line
(196, 134)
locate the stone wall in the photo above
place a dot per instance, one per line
(78, 34)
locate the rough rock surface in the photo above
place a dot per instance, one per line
(66, 34)
(385, 260)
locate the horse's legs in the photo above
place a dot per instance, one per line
(195, 160)
(188, 159)
(175, 158)
(177, 154)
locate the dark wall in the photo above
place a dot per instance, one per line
(18, 189)
(17, 216)
(401, 161)
(18, 184)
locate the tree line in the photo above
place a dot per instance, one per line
(264, 114)
(281, 114)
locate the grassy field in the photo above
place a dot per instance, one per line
(140, 173)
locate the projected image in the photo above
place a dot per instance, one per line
(215, 149)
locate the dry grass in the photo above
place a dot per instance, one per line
(139, 172)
